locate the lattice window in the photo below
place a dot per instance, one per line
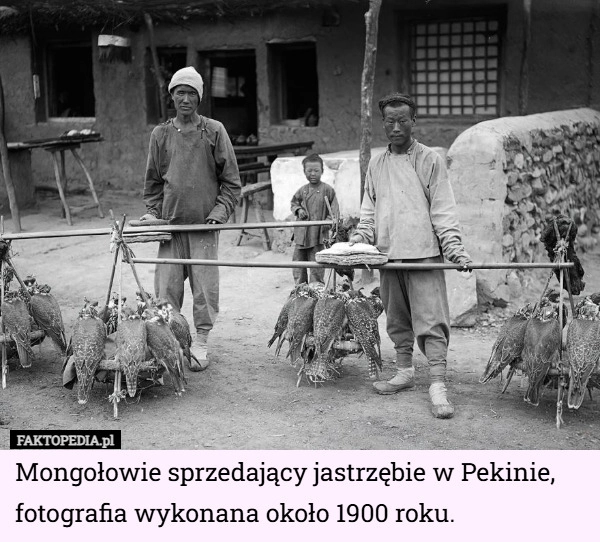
(455, 66)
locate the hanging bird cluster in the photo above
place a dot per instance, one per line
(531, 339)
(152, 335)
(27, 311)
(323, 326)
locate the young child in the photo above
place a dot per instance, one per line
(309, 203)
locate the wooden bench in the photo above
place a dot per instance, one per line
(247, 199)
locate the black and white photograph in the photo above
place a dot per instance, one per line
(301, 224)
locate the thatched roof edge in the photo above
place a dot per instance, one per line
(16, 15)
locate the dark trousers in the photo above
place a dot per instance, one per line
(307, 255)
(204, 280)
(416, 306)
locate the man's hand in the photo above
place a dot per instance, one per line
(302, 214)
(147, 216)
(465, 266)
(355, 239)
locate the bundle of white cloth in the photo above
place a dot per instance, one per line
(356, 254)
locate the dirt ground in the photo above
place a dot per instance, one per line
(248, 399)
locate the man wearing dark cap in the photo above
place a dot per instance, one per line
(408, 211)
(192, 177)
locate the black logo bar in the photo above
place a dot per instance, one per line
(65, 439)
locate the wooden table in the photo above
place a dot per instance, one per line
(57, 147)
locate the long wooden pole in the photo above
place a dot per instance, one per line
(120, 228)
(366, 89)
(163, 229)
(10, 187)
(406, 266)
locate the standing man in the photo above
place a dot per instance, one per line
(408, 211)
(192, 177)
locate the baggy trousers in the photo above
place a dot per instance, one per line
(301, 254)
(204, 280)
(416, 306)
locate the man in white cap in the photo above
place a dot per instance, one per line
(192, 177)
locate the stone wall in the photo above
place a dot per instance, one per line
(510, 174)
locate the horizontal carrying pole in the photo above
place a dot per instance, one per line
(165, 229)
(387, 266)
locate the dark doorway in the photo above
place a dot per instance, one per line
(230, 92)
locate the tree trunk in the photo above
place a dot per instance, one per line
(524, 79)
(366, 102)
(10, 188)
(366, 89)
(160, 82)
(593, 26)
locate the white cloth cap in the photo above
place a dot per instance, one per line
(188, 76)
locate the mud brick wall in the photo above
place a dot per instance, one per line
(510, 174)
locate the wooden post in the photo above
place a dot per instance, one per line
(10, 187)
(524, 78)
(366, 89)
(366, 101)
(4, 358)
(116, 256)
(592, 29)
(157, 73)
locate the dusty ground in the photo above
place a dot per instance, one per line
(248, 399)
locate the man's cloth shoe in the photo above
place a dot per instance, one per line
(404, 380)
(440, 406)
